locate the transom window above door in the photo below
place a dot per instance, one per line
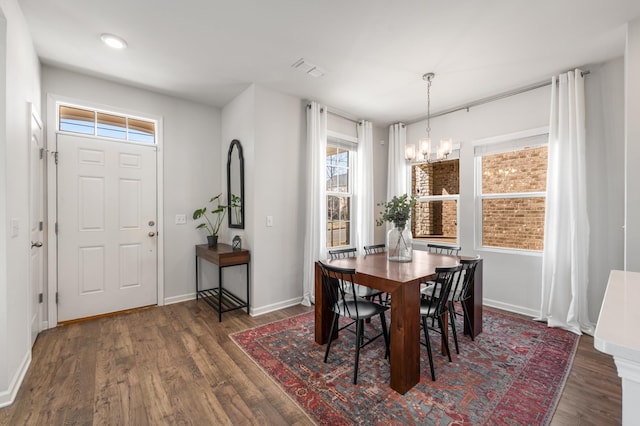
(73, 119)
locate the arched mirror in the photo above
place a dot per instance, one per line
(235, 185)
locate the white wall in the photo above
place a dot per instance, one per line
(270, 126)
(605, 175)
(191, 157)
(512, 281)
(20, 85)
(632, 114)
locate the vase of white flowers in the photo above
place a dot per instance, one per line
(399, 237)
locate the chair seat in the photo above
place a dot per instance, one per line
(366, 309)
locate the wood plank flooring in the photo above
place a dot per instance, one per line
(176, 365)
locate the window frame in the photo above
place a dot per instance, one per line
(455, 155)
(479, 197)
(96, 125)
(338, 140)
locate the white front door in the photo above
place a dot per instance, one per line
(36, 224)
(107, 244)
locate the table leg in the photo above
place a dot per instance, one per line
(405, 337)
(247, 288)
(197, 294)
(219, 293)
(445, 333)
(322, 312)
(474, 303)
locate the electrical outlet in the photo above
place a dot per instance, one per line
(181, 219)
(269, 221)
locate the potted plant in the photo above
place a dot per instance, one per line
(211, 225)
(399, 238)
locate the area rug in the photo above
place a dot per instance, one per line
(512, 374)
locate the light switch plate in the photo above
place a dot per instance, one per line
(181, 219)
(269, 221)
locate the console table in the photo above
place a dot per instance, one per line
(220, 298)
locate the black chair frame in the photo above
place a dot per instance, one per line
(344, 302)
(435, 306)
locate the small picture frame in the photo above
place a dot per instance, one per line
(236, 243)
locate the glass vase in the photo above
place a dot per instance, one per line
(399, 244)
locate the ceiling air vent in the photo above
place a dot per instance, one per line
(308, 68)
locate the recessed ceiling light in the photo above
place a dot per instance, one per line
(113, 41)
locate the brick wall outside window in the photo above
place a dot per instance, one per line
(435, 218)
(514, 222)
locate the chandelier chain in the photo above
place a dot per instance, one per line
(429, 108)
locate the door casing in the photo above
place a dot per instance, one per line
(52, 218)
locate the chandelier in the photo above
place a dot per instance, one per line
(445, 146)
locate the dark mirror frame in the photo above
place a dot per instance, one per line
(235, 143)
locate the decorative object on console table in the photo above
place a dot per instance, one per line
(212, 227)
(237, 243)
(399, 238)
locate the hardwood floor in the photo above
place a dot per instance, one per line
(176, 365)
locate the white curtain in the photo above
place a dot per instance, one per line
(566, 231)
(397, 170)
(364, 186)
(316, 207)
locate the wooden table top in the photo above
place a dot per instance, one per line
(422, 266)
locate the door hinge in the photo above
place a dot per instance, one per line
(56, 297)
(40, 298)
(41, 153)
(41, 226)
(56, 228)
(55, 157)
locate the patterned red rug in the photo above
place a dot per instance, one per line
(512, 374)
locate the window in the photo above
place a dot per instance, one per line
(109, 125)
(437, 188)
(339, 166)
(511, 180)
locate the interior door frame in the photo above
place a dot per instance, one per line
(34, 114)
(52, 196)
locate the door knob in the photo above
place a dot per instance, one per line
(36, 244)
(151, 234)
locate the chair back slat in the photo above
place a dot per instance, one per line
(443, 282)
(342, 253)
(375, 248)
(442, 249)
(462, 287)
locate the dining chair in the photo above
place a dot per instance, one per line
(438, 249)
(375, 248)
(344, 302)
(460, 293)
(361, 290)
(442, 249)
(434, 307)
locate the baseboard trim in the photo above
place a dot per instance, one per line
(511, 308)
(7, 397)
(254, 312)
(178, 299)
(275, 307)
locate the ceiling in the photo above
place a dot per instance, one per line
(374, 52)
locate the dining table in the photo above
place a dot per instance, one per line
(402, 281)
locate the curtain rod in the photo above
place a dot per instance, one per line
(491, 99)
(340, 114)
